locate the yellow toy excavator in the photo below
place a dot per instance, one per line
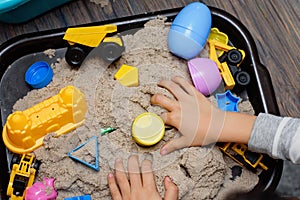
(83, 39)
(229, 64)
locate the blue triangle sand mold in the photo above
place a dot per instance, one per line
(93, 166)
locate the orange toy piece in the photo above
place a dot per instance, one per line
(24, 131)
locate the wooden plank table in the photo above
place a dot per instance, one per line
(274, 25)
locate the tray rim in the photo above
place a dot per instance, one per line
(269, 107)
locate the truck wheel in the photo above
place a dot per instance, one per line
(234, 57)
(75, 55)
(15, 160)
(36, 164)
(242, 78)
(111, 51)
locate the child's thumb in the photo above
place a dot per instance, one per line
(171, 188)
(177, 143)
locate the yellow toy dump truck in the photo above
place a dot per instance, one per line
(24, 168)
(24, 131)
(83, 39)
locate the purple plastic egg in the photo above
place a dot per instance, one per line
(205, 75)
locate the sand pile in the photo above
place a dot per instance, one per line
(199, 172)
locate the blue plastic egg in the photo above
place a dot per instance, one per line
(189, 31)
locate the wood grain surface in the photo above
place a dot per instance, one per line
(273, 24)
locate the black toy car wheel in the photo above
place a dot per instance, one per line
(36, 164)
(234, 57)
(75, 55)
(110, 51)
(242, 78)
(15, 160)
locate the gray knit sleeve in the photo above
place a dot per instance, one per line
(277, 136)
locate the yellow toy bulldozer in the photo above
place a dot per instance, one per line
(24, 168)
(83, 39)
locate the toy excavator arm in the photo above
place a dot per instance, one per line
(223, 67)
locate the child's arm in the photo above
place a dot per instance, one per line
(200, 123)
(276, 136)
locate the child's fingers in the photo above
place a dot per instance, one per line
(189, 88)
(171, 189)
(174, 88)
(121, 178)
(134, 172)
(174, 144)
(147, 174)
(171, 119)
(164, 102)
(113, 187)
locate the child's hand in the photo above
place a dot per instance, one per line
(199, 122)
(141, 184)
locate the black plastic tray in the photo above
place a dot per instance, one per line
(12, 86)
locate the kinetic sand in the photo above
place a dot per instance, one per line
(199, 172)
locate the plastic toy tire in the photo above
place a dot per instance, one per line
(15, 160)
(75, 55)
(242, 78)
(110, 51)
(234, 57)
(36, 165)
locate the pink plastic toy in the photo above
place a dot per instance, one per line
(205, 75)
(42, 190)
